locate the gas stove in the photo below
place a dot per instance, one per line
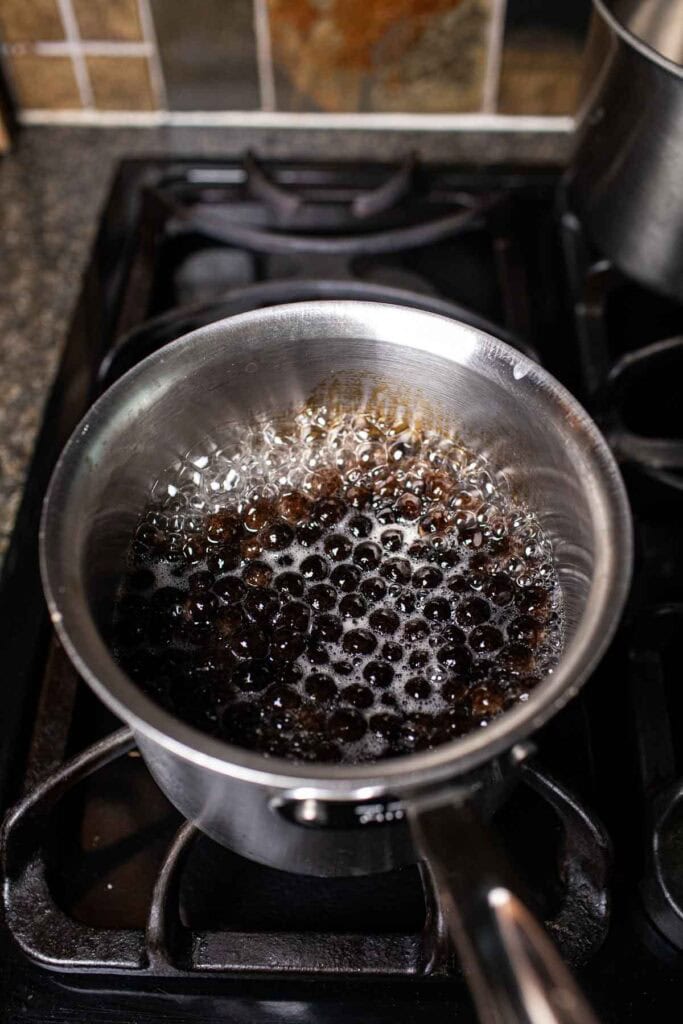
(116, 908)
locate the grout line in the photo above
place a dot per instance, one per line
(93, 48)
(511, 123)
(494, 56)
(264, 55)
(156, 71)
(73, 37)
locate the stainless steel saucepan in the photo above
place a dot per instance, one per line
(359, 819)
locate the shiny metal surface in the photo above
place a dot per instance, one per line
(266, 362)
(626, 175)
(531, 429)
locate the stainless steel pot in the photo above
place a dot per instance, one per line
(341, 820)
(626, 177)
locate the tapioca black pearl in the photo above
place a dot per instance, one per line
(200, 608)
(433, 523)
(452, 634)
(261, 604)
(258, 514)
(130, 631)
(223, 528)
(257, 574)
(384, 621)
(313, 567)
(290, 584)
(352, 606)
(308, 533)
(346, 725)
(359, 497)
(481, 563)
(378, 673)
(437, 610)
(417, 688)
(322, 597)
(194, 549)
(325, 482)
(288, 672)
(293, 506)
(343, 668)
(367, 555)
(517, 658)
(277, 536)
(321, 688)
(408, 508)
(317, 652)
(385, 516)
(326, 628)
(500, 589)
(280, 696)
(405, 602)
(287, 645)
(373, 589)
(535, 601)
(251, 676)
(446, 558)
(386, 725)
(392, 540)
(294, 615)
(345, 577)
(327, 511)
(250, 548)
(229, 619)
(223, 559)
(200, 580)
(415, 630)
(388, 700)
(473, 612)
(359, 641)
(398, 570)
(392, 651)
(485, 639)
(455, 658)
(338, 547)
(427, 577)
(458, 584)
(249, 643)
(418, 659)
(141, 579)
(359, 526)
(420, 551)
(359, 696)
(472, 537)
(525, 629)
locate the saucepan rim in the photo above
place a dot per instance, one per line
(76, 628)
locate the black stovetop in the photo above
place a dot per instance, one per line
(183, 243)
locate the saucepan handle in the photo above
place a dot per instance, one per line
(515, 974)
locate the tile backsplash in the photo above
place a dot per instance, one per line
(330, 56)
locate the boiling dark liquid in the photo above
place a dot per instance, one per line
(393, 600)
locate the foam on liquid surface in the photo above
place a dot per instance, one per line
(444, 608)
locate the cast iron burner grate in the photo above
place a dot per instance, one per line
(105, 882)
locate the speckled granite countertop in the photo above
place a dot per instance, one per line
(52, 187)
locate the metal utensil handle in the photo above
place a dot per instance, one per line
(514, 972)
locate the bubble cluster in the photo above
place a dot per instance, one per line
(349, 589)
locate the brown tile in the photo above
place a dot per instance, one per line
(121, 83)
(44, 82)
(30, 20)
(540, 72)
(108, 19)
(208, 53)
(405, 55)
